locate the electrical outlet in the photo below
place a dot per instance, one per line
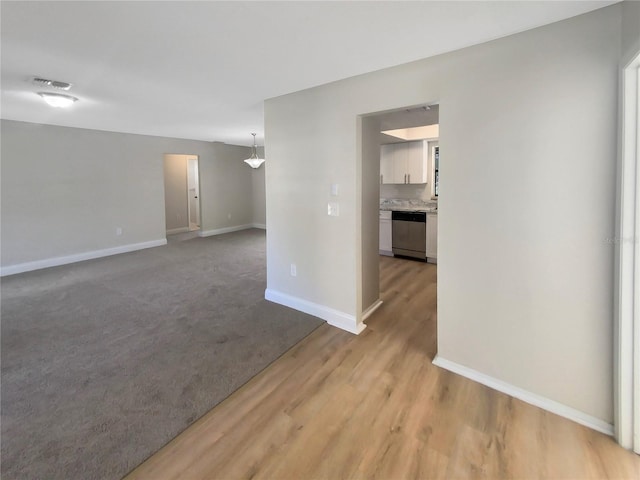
(228, 216)
(118, 231)
(333, 209)
(294, 270)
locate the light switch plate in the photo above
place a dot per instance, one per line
(333, 209)
(334, 189)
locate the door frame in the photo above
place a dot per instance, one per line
(627, 273)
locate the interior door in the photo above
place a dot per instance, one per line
(193, 185)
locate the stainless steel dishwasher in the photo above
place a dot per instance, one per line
(409, 234)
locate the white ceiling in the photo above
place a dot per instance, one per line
(201, 70)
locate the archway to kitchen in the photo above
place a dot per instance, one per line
(399, 154)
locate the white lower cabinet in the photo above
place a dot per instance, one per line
(385, 233)
(432, 236)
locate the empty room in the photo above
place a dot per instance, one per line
(301, 240)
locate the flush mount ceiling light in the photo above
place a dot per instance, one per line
(253, 161)
(58, 99)
(415, 133)
(45, 82)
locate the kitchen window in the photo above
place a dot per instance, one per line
(436, 168)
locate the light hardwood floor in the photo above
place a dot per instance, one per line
(373, 406)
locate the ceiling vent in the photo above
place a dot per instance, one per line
(43, 82)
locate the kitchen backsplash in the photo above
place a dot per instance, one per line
(406, 192)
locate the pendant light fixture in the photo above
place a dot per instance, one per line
(253, 161)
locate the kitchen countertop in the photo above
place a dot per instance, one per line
(410, 209)
(408, 205)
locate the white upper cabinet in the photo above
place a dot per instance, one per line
(417, 154)
(386, 164)
(400, 157)
(404, 163)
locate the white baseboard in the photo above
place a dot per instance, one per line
(78, 257)
(173, 231)
(259, 225)
(235, 228)
(372, 308)
(526, 396)
(333, 317)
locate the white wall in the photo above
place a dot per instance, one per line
(310, 145)
(66, 190)
(369, 186)
(226, 188)
(525, 211)
(630, 30)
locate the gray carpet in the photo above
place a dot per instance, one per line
(105, 361)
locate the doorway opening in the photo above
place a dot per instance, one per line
(181, 193)
(400, 178)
